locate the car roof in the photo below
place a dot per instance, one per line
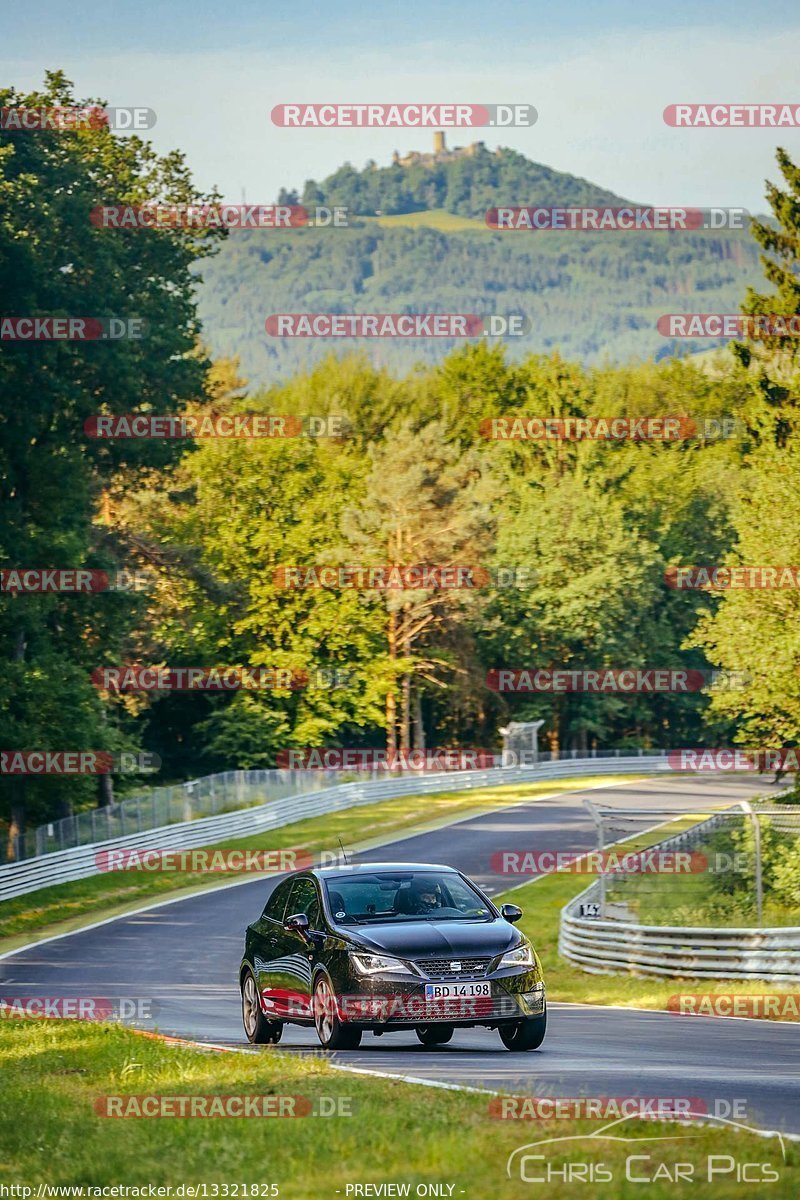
(371, 868)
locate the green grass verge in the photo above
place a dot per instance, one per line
(435, 218)
(67, 906)
(542, 901)
(724, 897)
(53, 1073)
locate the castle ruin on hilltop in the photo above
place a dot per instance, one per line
(440, 153)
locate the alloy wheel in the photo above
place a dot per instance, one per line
(324, 1011)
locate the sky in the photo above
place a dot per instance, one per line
(599, 75)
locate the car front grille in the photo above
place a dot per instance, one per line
(441, 968)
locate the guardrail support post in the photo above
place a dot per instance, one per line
(747, 808)
(597, 817)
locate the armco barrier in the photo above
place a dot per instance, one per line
(606, 947)
(63, 866)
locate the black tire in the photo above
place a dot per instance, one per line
(259, 1030)
(527, 1034)
(435, 1035)
(332, 1034)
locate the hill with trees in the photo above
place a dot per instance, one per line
(591, 296)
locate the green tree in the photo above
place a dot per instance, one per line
(755, 630)
(54, 262)
(772, 361)
(233, 518)
(426, 504)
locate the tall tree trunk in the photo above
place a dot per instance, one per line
(19, 814)
(553, 734)
(391, 695)
(105, 790)
(16, 828)
(405, 722)
(419, 727)
(405, 719)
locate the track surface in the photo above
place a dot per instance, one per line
(185, 957)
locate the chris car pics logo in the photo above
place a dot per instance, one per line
(608, 1156)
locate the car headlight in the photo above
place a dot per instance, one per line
(379, 964)
(522, 956)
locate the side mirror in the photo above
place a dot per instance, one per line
(511, 912)
(299, 923)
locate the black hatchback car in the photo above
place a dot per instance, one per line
(389, 946)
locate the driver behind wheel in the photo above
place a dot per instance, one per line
(424, 897)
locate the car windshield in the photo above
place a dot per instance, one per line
(404, 896)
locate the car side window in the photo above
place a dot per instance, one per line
(305, 899)
(276, 905)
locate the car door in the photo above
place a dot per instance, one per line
(292, 969)
(262, 946)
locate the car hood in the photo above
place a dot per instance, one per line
(416, 939)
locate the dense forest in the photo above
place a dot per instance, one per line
(594, 297)
(410, 479)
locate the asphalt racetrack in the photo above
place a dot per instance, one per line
(185, 956)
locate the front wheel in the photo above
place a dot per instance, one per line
(332, 1034)
(435, 1035)
(258, 1029)
(527, 1034)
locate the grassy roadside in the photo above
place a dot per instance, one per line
(54, 1071)
(67, 906)
(724, 895)
(434, 218)
(542, 900)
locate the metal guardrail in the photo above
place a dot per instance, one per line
(80, 862)
(210, 795)
(611, 947)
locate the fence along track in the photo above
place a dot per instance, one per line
(79, 862)
(610, 947)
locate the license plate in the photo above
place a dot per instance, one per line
(447, 991)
